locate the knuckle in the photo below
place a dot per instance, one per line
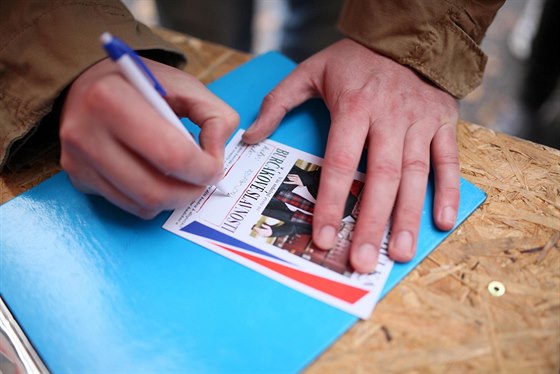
(174, 159)
(372, 87)
(75, 144)
(353, 100)
(448, 159)
(416, 165)
(328, 213)
(69, 135)
(409, 214)
(269, 100)
(370, 226)
(210, 178)
(448, 115)
(450, 191)
(151, 200)
(274, 101)
(231, 119)
(306, 67)
(69, 165)
(327, 216)
(341, 162)
(98, 95)
(388, 170)
(410, 116)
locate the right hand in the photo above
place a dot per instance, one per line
(114, 144)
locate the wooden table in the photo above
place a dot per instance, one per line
(444, 317)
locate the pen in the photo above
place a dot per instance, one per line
(145, 82)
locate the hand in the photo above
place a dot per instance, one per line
(294, 179)
(114, 144)
(379, 104)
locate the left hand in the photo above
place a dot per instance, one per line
(401, 118)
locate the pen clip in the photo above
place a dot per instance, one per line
(116, 48)
(148, 73)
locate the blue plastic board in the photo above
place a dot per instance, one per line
(98, 290)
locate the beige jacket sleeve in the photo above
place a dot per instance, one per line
(44, 45)
(437, 38)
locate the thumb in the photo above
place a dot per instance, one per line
(296, 88)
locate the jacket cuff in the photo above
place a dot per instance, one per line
(44, 48)
(437, 39)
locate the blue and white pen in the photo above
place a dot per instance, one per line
(145, 82)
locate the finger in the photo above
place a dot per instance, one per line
(147, 134)
(411, 194)
(384, 162)
(343, 152)
(215, 133)
(89, 181)
(145, 185)
(445, 156)
(216, 119)
(296, 88)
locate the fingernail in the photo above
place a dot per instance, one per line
(250, 130)
(366, 256)
(246, 134)
(326, 238)
(403, 245)
(448, 216)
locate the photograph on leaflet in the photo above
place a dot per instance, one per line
(286, 221)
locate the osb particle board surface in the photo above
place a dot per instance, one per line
(442, 317)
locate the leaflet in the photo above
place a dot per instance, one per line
(264, 223)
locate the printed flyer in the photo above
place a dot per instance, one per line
(264, 223)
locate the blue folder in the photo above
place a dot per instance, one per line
(98, 290)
